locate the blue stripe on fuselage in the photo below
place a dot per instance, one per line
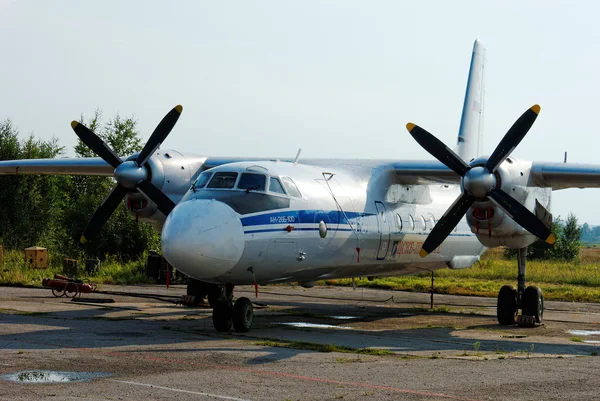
(301, 216)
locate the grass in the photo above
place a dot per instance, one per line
(568, 281)
(112, 271)
(576, 340)
(322, 347)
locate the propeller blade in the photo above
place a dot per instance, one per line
(162, 201)
(512, 138)
(160, 133)
(437, 149)
(446, 224)
(96, 144)
(102, 214)
(522, 215)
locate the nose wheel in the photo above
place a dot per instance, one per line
(226, 313)
(524, 305)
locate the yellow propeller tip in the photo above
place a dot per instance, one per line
(536, 108)
(551, 239)
(74, 124)
(179, 108)
(410, 126)
(423, 253)
(83, 240)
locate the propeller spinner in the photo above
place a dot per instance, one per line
(130, 175)
(479, 182)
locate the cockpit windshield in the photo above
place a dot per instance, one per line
(224, 180)
(202, 180)
(252, 182)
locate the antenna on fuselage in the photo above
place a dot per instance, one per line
(297, 156)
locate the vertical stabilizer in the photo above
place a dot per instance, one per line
(470, 134)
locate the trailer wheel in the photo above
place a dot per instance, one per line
(58, 292)
(71, 290)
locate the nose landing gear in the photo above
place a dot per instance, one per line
(523, 306)
(226, 313)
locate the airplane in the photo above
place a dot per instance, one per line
(229, 221)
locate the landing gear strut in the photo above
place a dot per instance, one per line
(226, 313)
(524, 305)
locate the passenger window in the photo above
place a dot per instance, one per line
(202, 180)
(422, 223)
(290, 187)
(411, 221)
(223, 180)
(431, 221)
(275, 186)
(399, 222)
(252, 182)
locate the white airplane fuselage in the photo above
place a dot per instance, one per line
(349, 221)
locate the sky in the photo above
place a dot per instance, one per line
(338, 79)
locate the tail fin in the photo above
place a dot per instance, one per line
(470, 134)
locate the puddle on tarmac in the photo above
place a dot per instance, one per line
(343, 317)
(49, 376)
(305, 325)
(584, 332)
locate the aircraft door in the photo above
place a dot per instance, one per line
(383, 225)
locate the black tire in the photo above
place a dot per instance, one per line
(222, 316)
(533, 303)
(242, 315)
(506, 308)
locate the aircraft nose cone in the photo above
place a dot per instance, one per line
(203, 238)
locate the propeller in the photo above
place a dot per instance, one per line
(131, 175)
(479, 182)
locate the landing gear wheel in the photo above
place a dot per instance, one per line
(222, 316)
(506, 309)
(242, 315)
(533, 303)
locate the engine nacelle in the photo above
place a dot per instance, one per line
(172, 173)
(492, 225)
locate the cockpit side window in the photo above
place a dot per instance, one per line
(275, 186)
(290, 187)
(252, 182)
(202, 180)
(223, 180)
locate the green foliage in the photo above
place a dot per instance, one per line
(560, 280)
(567, 244)
(52, 211)
(590, 235)
(31, 205)
(112, 271)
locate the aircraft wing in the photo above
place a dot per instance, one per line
(75, 166)
(564, 175)
(424, 172)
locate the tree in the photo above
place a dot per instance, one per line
(52, 211)
(567, 243)
(30, 206)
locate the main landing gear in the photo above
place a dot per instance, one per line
(226, 313)
(522, 306)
